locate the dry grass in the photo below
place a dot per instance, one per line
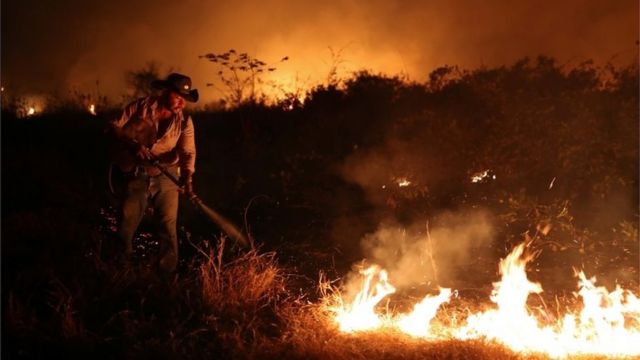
(250, 310)
(226, 306)
(312, 335)
(242, 297)
(248, 282)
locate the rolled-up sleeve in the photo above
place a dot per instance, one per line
(187, 147)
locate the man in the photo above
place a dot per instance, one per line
(149, 129)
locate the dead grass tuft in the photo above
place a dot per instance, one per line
(242, 296)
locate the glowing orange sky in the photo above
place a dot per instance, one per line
(52, 45)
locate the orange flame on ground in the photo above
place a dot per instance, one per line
(403, 182)
(417, 323)
(599, 329)
(608, 324)
(360, 314)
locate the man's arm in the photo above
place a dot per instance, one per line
(115, 128)
(187, 152)
(187, 148)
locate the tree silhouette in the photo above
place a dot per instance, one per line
(139, 81)
(240, 75)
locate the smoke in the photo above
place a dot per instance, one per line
(435, 253)
(48, 45)
(381, 169)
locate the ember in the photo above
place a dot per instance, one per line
(482, 175)
(403, 182)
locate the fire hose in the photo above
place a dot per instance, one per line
(225, 225)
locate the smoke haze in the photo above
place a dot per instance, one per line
(55, 46)
(414, 256)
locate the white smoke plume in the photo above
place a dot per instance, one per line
(415, 256)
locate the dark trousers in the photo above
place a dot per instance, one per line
(163, 195)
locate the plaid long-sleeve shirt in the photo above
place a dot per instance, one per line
(139, 122)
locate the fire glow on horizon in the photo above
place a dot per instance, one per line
(608, 323)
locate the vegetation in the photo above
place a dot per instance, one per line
(307, 184)
(240, 77)
(139, 81)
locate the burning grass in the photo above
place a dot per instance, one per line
(607, 323)
(240, 305)
(243, 305)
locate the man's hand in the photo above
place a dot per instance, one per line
(186, 181)
(142, 153)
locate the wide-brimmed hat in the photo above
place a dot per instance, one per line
(178, 83)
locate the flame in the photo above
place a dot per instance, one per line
(417, 323)
(599, 329)
(511, 323)
(479, 176)
(601, 325)
(31, 111)
(92, 109)
(403, 182)
(360, 314)
(607, 324)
